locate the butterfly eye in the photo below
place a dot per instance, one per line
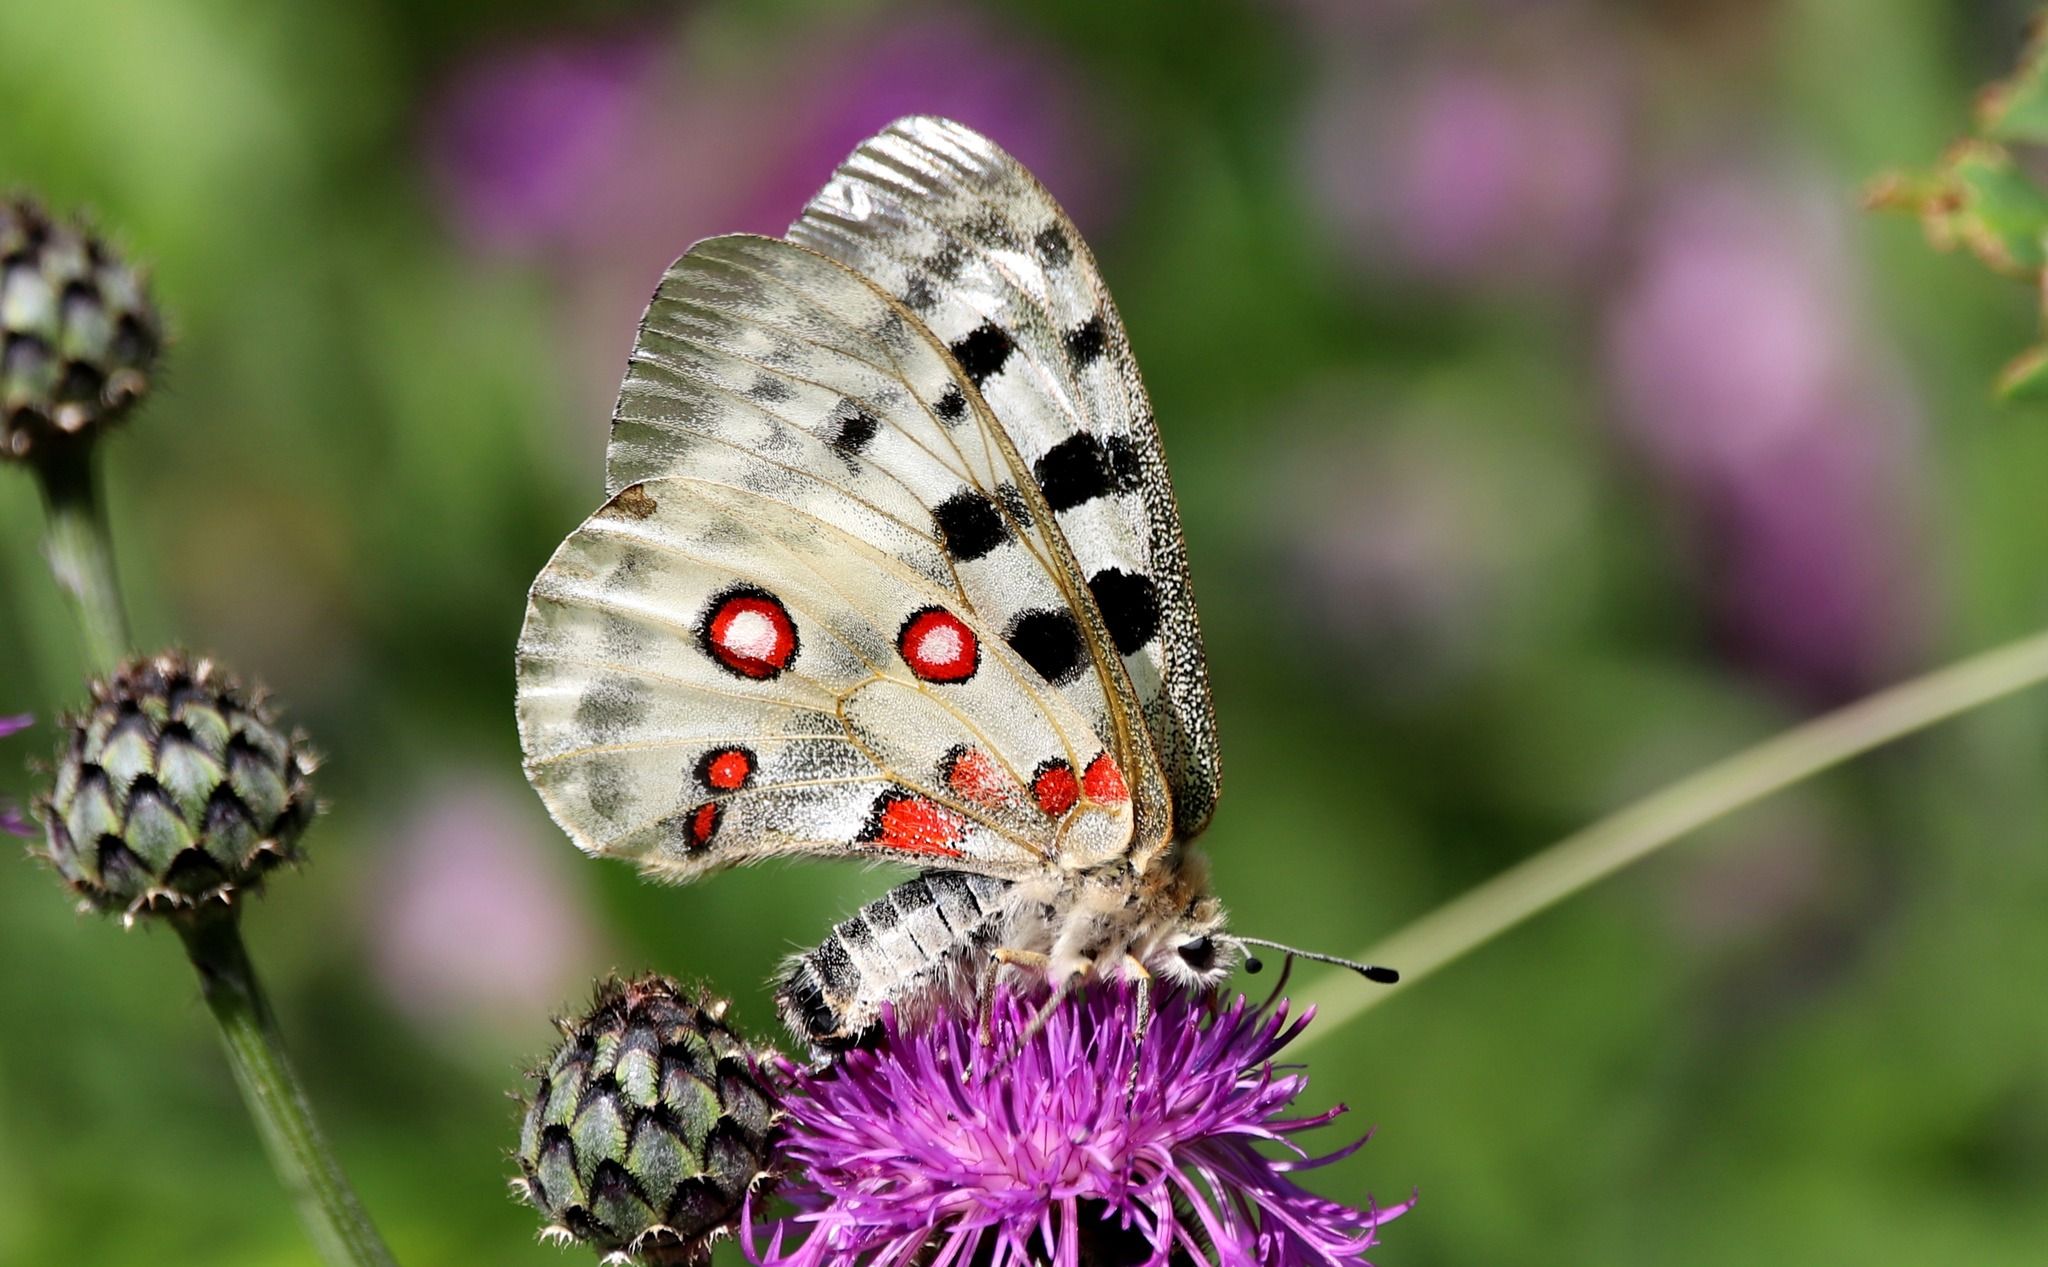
(1199, 954)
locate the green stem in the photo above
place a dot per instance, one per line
(80, 551)
(328, 1206)
(1530, 887)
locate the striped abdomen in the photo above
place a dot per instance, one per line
(912, 939)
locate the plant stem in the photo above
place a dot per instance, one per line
(80, 552)
(1530, 887)
(328, 1206)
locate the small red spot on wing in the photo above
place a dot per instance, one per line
(726, 769)
(938, 646)
(749, 632)
(1054, 788)
(703, 824)
(973, 775)
(1103, 781)
(908, 823)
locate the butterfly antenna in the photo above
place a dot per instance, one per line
(1251, 964)
(1371, 972)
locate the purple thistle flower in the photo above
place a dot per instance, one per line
(898, 1154)
(12, 821)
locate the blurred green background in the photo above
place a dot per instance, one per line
(1547, 421)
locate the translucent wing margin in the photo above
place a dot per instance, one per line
(955, 228)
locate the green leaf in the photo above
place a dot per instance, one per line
(1978, 199)
(2016, 108)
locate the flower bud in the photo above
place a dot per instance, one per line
(650, 1125)
(175, 789)
(78, 334)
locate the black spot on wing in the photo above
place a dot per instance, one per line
(1130, 607)
(1081, 468)
(970, 524)
(945, 262)
(919, 295)
(850, 427)
(1054, 251)
(990, 229)
(1086, 341)
(1050, 642)
(951, 406)
(983, 351)
(1013, 501)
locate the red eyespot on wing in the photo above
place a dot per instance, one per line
(908, 823)
(1103, 781)
(749, 632)
(1054, 788)
(726, 769)
(703, 825)
(938, 646)
(973, 775)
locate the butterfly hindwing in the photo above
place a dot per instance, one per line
(955, 228)
(710, 674)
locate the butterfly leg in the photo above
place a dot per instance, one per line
(1040, 1017)
(1135, 971)
(985, 996)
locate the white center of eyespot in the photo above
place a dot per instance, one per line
(750, 635)
(941, 645)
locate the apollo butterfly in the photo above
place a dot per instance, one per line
(891, 569)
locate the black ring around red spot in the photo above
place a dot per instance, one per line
(938, 646)
(749, 632)
(703, 825)
(1055, 788)
(726, 769)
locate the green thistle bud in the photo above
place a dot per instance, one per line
(78, 335)
(648, 1128)
(174, 790)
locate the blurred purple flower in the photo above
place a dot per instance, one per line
(901, 1154)
(518, 135)
(999, 81)
(1469, 172)
(12, 821)
(472, 922)
(1742, 377)
(640, 151)
(1414, 538)
(1391, 546)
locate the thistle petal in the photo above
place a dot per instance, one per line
(893, 1152)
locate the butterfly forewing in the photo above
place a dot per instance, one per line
(824, 609)
(970, 242)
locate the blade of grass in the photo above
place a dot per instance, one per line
(1530, 887)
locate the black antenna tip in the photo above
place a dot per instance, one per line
(1385, 976)
(1253, 964)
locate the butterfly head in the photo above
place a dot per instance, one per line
(1196, 952)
